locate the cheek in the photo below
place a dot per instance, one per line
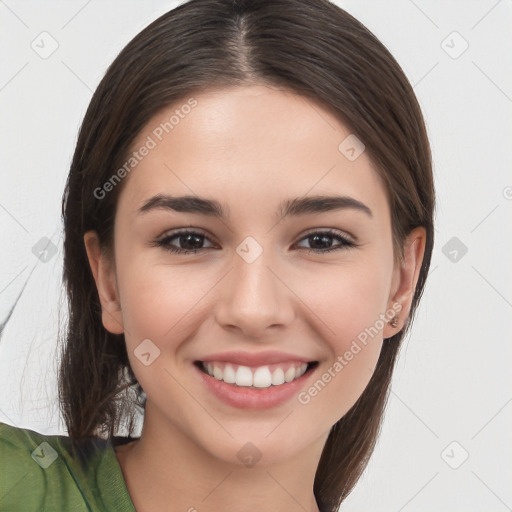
(353, 313)
(158, 302)
(349, 299)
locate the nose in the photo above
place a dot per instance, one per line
(254, 298)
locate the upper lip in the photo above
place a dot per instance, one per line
(255, 358)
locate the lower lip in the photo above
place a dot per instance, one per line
(249, 398)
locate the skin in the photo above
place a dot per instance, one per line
(249, 148)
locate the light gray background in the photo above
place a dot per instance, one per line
(452, 382)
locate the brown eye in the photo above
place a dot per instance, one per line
(321, 241)
(187, 241)
(191, 242)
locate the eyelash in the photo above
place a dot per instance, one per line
(165, 242)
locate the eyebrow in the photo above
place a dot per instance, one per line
(290, 207)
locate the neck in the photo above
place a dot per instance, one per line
(166, 470)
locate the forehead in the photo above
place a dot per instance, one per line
(245, 145)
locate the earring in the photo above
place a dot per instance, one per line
(394, 322)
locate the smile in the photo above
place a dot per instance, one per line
(254, 387)
(259, 377)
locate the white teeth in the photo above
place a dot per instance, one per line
(243, 376)
(278, 377)
(290, 374)
(229, 374)
(262, 377)
(217, 373)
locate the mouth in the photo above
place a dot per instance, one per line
(261, 377)
(250, 387)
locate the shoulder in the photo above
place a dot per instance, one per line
(52, 472)
(22, 457)
(21, 447)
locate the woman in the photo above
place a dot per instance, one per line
(248, 229)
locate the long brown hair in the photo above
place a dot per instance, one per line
(311, 47)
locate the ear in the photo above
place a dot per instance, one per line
(104, 274)
(405, 277)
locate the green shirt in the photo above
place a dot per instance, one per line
(52, 473)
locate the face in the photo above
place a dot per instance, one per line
(259, 285)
